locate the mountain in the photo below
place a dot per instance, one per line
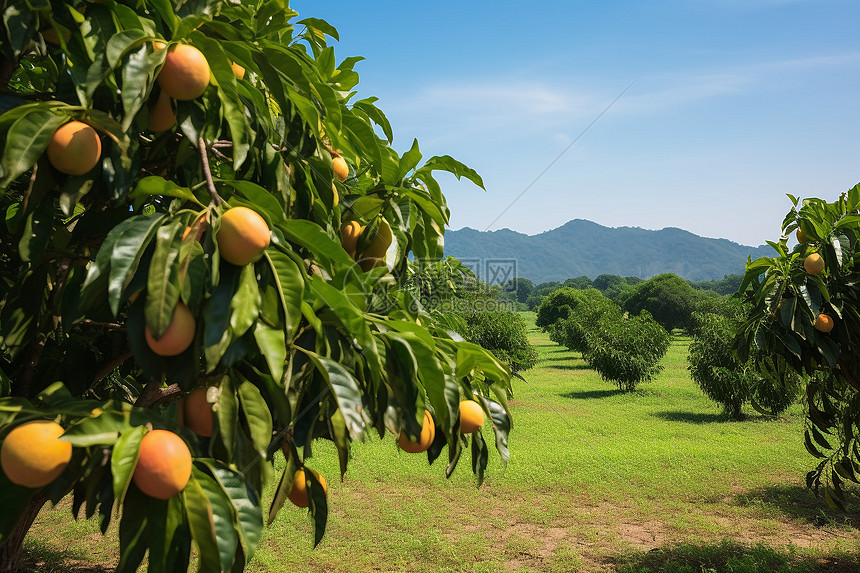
(581, 247)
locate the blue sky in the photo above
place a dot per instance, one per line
(734, 104)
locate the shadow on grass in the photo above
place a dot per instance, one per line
(800, 504)
(733, 556)
(591, 394)
(693, 417)
(38, 557)
(567, 366)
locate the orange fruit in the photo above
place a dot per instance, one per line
(335, 196)
(243, 236)
(238, 71)
(185, 74)
(349, 234)
(428, 434)
(823, 323)
(178, 336)
(339, 167)
(299, 493)
(813, 264)
(801, 236)
(197, 412)
(75, 148)
(471, 416)
(163, 466)
(33, 455)
(161, 115)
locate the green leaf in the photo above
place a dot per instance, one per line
(162, 285)
(284, 488)
(222, 514)
(124, 459)
(291, 286)
(258, 198)
(154, 185)
(272, 344)
(409, 160)
(201, 521)
(126, 250)
(257, 415)
(351, 317)
(133, 531)
(317, 506)
(14, 500)
(245, 305)
(247, 516)
(26, 140)
(480, 455)
(345, 390)
(312, 237)
(451, 165)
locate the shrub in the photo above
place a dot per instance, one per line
(669, 298)
(715, 367)
(503, 333)
(627, 350)
(557, 306)
(573, 331)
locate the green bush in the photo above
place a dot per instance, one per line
(557, 305)
(715, 367)
(503, 333)
(669, 298)
(627, 350)
(573, 331)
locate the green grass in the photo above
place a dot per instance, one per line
(598, 480)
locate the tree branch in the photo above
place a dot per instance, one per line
(153, 394)
(111, 366)
(104, 325)
(207, 173)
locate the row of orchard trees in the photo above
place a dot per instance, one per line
(204, 230)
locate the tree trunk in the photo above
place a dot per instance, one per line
(11, 549)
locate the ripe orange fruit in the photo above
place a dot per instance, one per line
(161, 115)
(823, 323)
(813, 264)
(75, 148)
(243, 236)
(336, 196)
(32, 454)
(185, 74)
(164, 465)
(339, 167)
(197, 412)
(349, 234)
(178, 336)
(428, 434)
(299, 492)
(238, 71)
(471, 416)
(801, 236)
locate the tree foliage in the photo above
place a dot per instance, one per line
(310, 341)
(626, 350)
(714, 365)
(573, 331)
(557, 305)
(787, 301)
(668, 298)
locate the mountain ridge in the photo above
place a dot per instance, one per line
(582, 247)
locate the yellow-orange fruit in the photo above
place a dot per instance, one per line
(801, 236)
(243, 236)
(299, 492)
(201, 228)
(335, 197)
(158, 45)
(185, 74)
(349, 234)
(178, 336)
(375, 253)
(238, 71)
(197, 412)
(164, 465)
(813, 264)
(50, 35)
(471, 416)
(161, 115)
(33, 455)
(75, 148)
(428, 434)
(340, 167)
(823, 323)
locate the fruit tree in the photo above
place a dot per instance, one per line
(177, 305)
(806, 317)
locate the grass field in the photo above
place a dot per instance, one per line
(598, 480)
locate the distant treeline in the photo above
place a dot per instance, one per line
(613, 287)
